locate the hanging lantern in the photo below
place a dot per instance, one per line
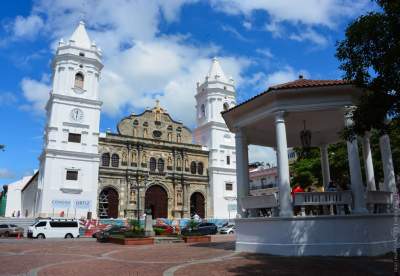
(305, 137)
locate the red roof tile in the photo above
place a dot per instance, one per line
(302, 83)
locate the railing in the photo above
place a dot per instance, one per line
(254, 203)
(379, 201)
(340, 199)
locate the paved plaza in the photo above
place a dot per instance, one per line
(88, 257)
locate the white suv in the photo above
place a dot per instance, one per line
(54, 228)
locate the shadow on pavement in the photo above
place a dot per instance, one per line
(256, 264)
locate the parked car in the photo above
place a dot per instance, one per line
(168, 229)
(103, 235)
(204, 228)
(229, 229)
(7, 230)
(54, 228)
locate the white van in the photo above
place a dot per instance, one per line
(54, 228)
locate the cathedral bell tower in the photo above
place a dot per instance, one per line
(214, 95)
(69, 163)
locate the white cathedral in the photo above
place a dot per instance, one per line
(69, 163)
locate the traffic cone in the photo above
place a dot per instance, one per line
(18, 236)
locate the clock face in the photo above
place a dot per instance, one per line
(77, 115)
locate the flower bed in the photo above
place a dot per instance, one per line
(196, 239)
(131, 241)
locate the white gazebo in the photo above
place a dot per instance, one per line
(312, 112)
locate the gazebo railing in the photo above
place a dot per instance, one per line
(253, 203)
(329, 199)
(379, 201)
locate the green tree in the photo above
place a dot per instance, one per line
(370, 58)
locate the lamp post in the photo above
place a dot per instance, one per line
(137, 189)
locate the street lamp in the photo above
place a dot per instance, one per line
(137, 189)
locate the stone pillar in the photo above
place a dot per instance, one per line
(369, 167)
(326, 175)
(387, 162)
(242, 170)
(357, 186)
(186, 211)
(285, 199)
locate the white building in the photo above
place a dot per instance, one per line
(13, 205)
(214, 95)
(68, 175)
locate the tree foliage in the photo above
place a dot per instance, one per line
(306, 170)
(370, 58)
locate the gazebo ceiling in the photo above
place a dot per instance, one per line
(325, 126)
(320, 104)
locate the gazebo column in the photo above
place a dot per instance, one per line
(357, 186)
(326, 176)
(387, 162)
(285, 204)
(242, 170)
(369, 167)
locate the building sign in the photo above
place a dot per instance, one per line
(82, 204)
(59, 203)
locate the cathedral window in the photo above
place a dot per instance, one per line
(74, 137)
(72, 175)
(105, 159)
(193, 167)
(203, 110)
(135, 123)
(200, 168)
(160, 165)
(79, 80)
(169, 128)
(153, 164)
(115, 160)
(226, 106)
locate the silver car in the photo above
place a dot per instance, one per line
(229, 229)
(7, 230)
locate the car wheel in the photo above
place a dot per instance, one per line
(69, 236)
(41, 236)
(6, 234)
(232, 232)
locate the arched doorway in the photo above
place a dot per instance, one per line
(197, 205)
(156, 200)
(108, 203)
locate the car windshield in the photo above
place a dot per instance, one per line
(13, 225)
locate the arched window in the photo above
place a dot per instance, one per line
(160, 165)
(115, 160)
(153, 164)
(79, 80)
(226, 106)
(203, 110)
(200, 168)
(105, 159)
(193, 167)
(136, 123)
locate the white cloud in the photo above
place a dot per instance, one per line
(311, 35)
(265, 52)
(140, 64)
(37, 93)
(261, 81)
(262, 154)
(6, 173)
(306, 13)
(234, 32)
(27, 27)
(7, 98)
(247, 25)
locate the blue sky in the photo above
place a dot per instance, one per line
(159, 49)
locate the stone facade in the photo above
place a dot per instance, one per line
(155, 153)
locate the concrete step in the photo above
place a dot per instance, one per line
(161, 240)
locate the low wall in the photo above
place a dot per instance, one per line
(350, 235)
